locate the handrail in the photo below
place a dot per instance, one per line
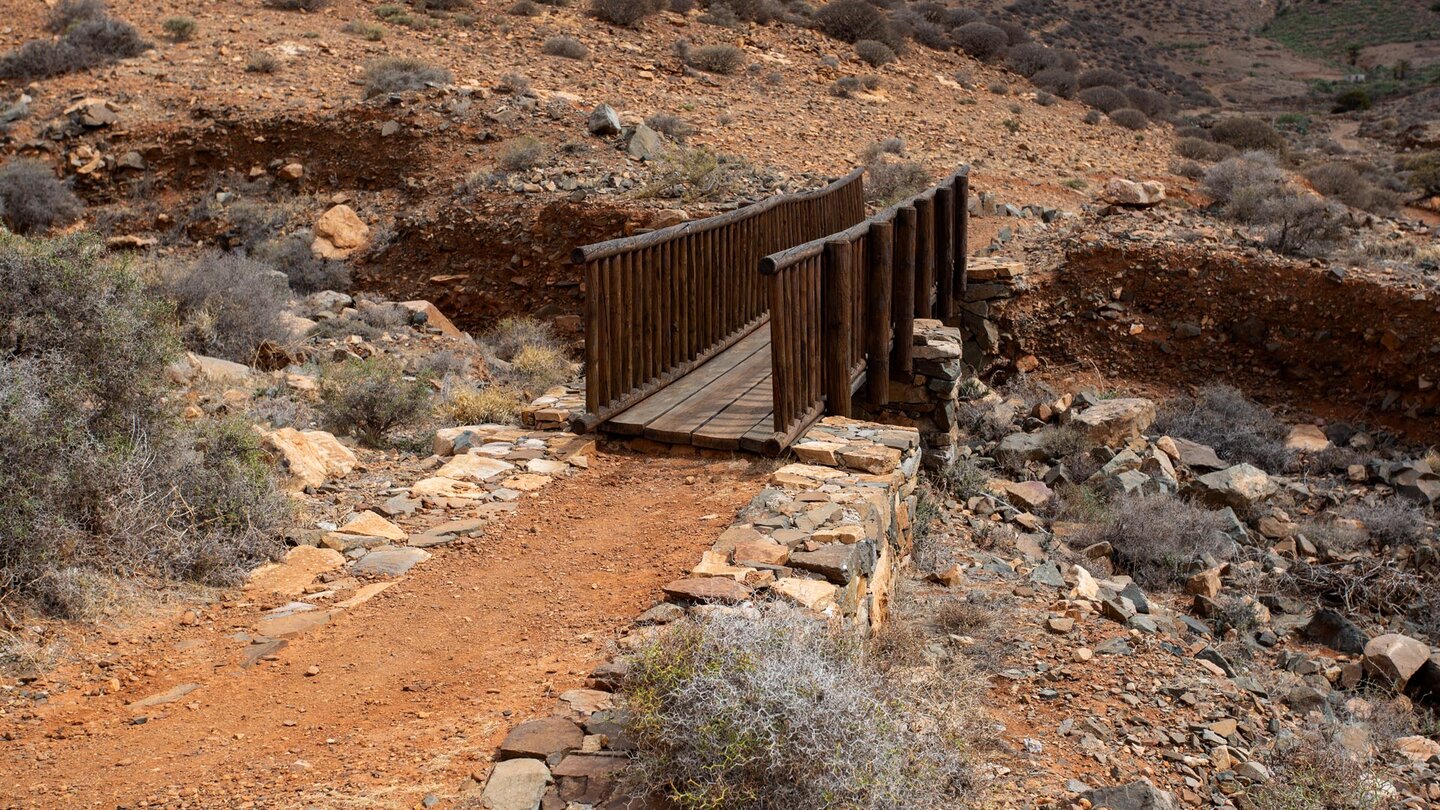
(612, 247)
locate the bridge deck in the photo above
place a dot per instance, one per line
(725, 404)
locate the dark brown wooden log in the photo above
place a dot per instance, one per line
(903, 306)
(836, 359)
(877, 322)
(962, 233)
(944, 270)
(924, 256)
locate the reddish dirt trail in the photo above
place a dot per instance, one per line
(414, 687)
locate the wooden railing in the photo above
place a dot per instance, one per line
(659, 304)
(838, 302)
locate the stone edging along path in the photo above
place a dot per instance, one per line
(827, 533)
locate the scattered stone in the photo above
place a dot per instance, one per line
(1241, 487)
(516, 784)
(168, 696)
(1135, 796)
(310, 457)
(1333, 630)
(1395, 658)
(338, 233)
(390, 560)
(1308, 439)
(707, 589)
(604, 121)
(1142, 194)
(545, 739)
(1113, 422)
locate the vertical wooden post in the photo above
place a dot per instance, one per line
(924, 257)
(877, 321)
(962, 235)
(944, 270)
(903, 307)
(835, 344)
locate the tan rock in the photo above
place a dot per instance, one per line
(474, 467)
(1307, 439)
(767, 552)
(434, 317)
(310, 457)
(811, 593)
(714, 564)
(1114, 422)
(819, 452)
(1120, 191)
(293, 574)
(369, 524)
(1206, 583)
(1394, 657)
(339, 232)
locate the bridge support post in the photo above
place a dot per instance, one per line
(877, 313)
(924, 257)
(903, 279)
(838, 308)
(962, 234)
(944, 269)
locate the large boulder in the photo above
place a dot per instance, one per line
(1395, 658)
(310, 457)
(339, 232)
(1241, 487)
(604, 121)
(1114, 422)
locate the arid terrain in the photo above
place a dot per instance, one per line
(292, 514)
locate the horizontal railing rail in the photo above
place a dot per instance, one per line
(839, 302)
(659, 304)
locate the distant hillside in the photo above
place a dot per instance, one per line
(1339, 30)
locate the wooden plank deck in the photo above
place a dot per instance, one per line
(725, 404)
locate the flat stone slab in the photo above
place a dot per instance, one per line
(516, 784)
(299, 568)
(541, 739)
(168, 696)
(707, 589)
(390, 560)
(291, 624)
(369, 524)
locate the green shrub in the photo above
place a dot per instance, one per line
(307, 272)
(1130, 118)
(1104, 99)
(1248, 134)
(1059, 81)
(1203, 150)
(371, 397)
(768, 708)
(1100, 77)
(364, 30)
(99, 479)
(1351, 100)
(32, 199)
(401, 74)
(525, 354)
(1424, 172)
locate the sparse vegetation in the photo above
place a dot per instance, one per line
(307, 272)
(1104, 99)
(401, 74)
(227, 305)
(1130, 118)
(364, 30)
(1236, 427)
(1315, 773)
(524, 354)
(874, 53)
(770, 708)
(297, 5)
(1344, 182)
(33, 199)
(721, 59)
(1246, 134)
(1202, 150)
(567, 47)
(99, 480)
(670, 125)
(1156, 537)
(370, 398)
(67, 13)
(86, 42)
(471, 405)
(889, 181)
(180, 29)
(1252, 190)
(262, 62)
(983, 41)
(521, 154)
(624, 13)
(852, 21)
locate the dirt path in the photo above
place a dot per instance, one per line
(402, 696)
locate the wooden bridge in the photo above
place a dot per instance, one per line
(740, 330)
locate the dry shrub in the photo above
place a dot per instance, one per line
(1373, 584)
(1316, 773)
(1100, 77)
(889, 146)
(69, 12)
(371, 397)
(1153, 104)
(1203, 150)
(981, 40)
(769, 707)
(521, 154)
(1130, 118)
(1394, 522)
(99, 479)
(1030, 58)
(86, 42)
(852, 21)
(624, 13)
(963, 478)
(1236, 427)
(262, 62)
(1341, 181)
(567, 47)
(721, 59)
(227, 304)
(889, 181)
(297, 5)
(32, 199)
(1059, 81)
(526, 354)
(1248, 134)
(491, 404)
(1156, 537)
(673, 126)
(307, 272)
(1104, 99)
(401, 74)
(874, 53)
(180, 29)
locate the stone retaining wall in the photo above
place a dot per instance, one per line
(828, 533)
